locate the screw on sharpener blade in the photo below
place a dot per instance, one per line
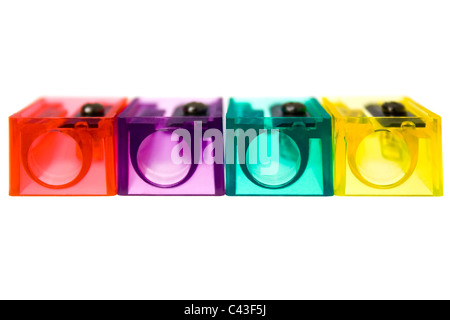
(293, 109)
(195, 109)
(393, 109)
(92, 110)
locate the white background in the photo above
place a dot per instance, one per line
(223, 247)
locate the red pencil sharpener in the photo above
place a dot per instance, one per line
(64, 146)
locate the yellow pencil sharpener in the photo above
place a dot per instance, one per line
(385, 146)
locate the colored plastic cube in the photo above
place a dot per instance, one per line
(171, 146)
(386, 146)
(64, 146)
(278, 146)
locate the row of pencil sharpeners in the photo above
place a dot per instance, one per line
(388, 146)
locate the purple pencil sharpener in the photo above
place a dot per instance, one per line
(171, 146)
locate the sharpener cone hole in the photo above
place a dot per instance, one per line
(55, 158)
(275, 169)
(383, 157)
(155, 161)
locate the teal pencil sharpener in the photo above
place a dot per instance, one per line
(278, 146)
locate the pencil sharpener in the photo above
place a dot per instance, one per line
(278, 146)
(386, 146)
(64, 146)
(171, 146)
